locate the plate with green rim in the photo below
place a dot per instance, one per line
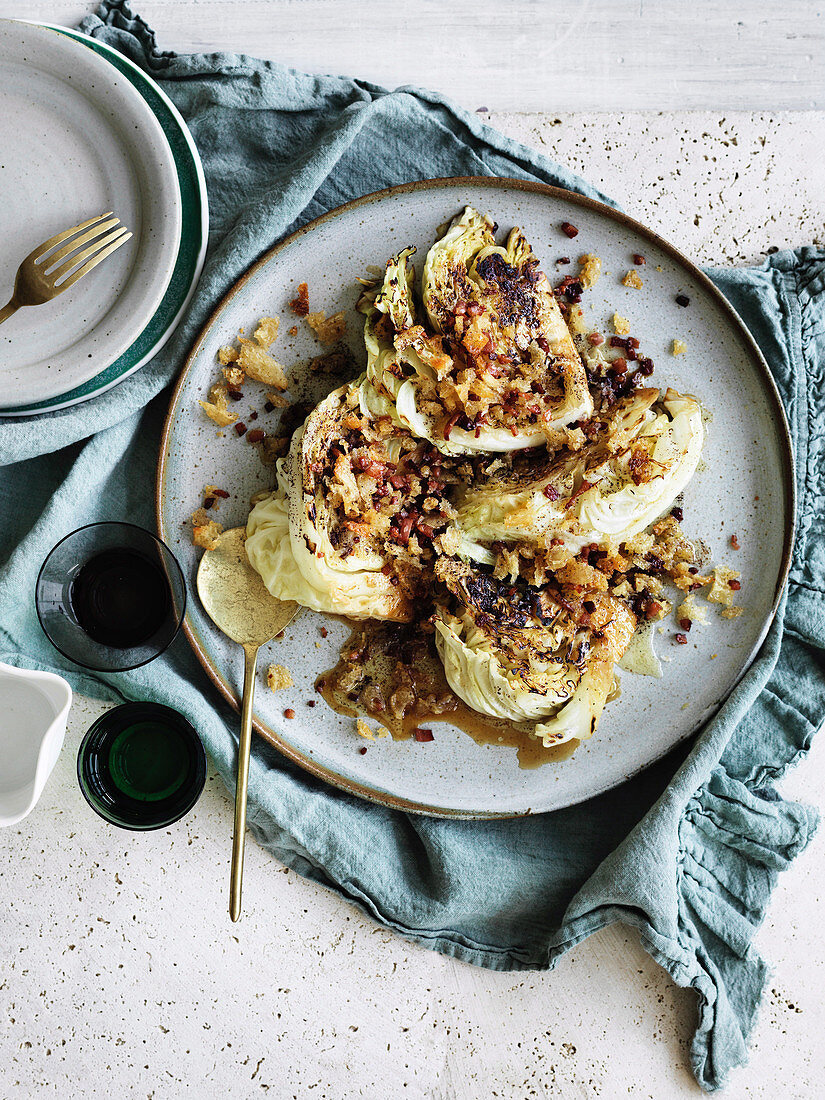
(191, 250)
(744, 487)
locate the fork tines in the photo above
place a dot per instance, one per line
(103, 235)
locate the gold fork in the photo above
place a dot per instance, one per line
(42, 277)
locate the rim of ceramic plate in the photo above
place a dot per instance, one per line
(302, 759)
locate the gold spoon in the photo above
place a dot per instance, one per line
(235, 599)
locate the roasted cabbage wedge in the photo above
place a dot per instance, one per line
(644, 451)
(353, 524)
(540, 659)
(490, 366)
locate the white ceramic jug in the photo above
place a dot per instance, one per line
(34, 707)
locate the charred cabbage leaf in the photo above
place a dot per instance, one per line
(643, 453)
(353, 525)
(532, 656)
(490, 366)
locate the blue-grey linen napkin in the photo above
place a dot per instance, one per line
(689, 851)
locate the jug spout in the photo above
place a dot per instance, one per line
(34, 708)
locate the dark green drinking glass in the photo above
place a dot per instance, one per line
(141, 766)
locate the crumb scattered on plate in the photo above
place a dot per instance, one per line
(278, 678)
(216, 409)
(205, 531)
(591, 269)
(329, 330)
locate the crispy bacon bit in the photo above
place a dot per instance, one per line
(652, 609)
(734, 543)
(289, 713)
(678, 515)
(682, 300)
(619, 366)
(638, 465)
(585, 485)
(569, 230)
(589, 606)
(552, 493)
(475, 309)
(363, 750)
(422, 735)
(300, 305)
(645, 367)
(240, 427)
(236, 395)
(685, 624)
(681, 639)
(735, 585)
(256, 435)
(404, 528)
(324, 632)
(451, 423)
(638, 259)
(595, 339)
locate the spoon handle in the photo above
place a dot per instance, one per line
(244, 745)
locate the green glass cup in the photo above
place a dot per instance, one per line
(141, 766)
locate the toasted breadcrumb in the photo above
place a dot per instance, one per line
(632, 279)
(278, 400)
(363, 730)
(267, 331)
(215, 408)
(205, 534)
(691, 610)
(591, 269)
(293, 330)
(227, 355)
(329, 330)
(621, 325)
(678, 347)
(278, 678)
(720, 590)
(259, 365)
(234, 376)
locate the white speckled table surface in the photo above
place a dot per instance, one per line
(120, 974)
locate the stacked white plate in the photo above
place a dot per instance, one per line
(82, 131)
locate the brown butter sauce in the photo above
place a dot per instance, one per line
(378, 665)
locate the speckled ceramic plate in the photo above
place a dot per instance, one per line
(745, 488)
(191, 247)
(78, 138)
